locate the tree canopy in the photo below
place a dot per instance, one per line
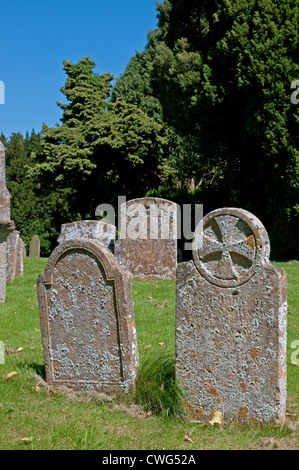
(202, 115)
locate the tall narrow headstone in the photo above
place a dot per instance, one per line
(20, 258)
(6, 225)
(87, 319)
(93, 229)
(34, 247)
(231, 321)
(147, 245)
(12, 255)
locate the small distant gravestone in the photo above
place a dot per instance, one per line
(34, 247)
(231, 321)
(87, 319)
(93, 229)
(147, 245)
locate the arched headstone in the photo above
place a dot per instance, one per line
(87, 319)
(34, 247)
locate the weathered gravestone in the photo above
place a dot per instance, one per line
(231, 321)
(20, 258)
(34, 247)
(6, 225)
(97, 230)
(147, 245)
(12, 255)
(87, 319)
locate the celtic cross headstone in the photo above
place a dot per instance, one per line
(231, 321)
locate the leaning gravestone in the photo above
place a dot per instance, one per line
(147, 245)
(34, 247)
(231, 321)
(96, 230)
(87, 319)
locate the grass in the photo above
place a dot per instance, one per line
(33, 417)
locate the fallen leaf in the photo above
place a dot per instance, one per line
(148, 346)
(37, 387)
(26, 439)
(187, 438)
(217, 418)
(11, 374)
(51, 392)
(148, 414)
(161, 344)
(19, 349)
(162, 387)
(29, 300)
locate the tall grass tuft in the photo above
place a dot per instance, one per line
(157, 389)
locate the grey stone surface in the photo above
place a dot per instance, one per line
(87, 319)
(34, 247)
(12, 255)
(6, 225)
(231, 321)
(4, 193)
(20, 258)
(147, 245)
(93, 229)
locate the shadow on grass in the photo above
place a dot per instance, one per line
(39, 369)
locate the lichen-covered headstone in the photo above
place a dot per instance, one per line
(34, 247)
(6, 225)
(12, 255)
(147, 245)
(87, 319)
(93, 229)
(231, 321)
(20, 258)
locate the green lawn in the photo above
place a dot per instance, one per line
(33, 417)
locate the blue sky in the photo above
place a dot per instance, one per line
(35, 38)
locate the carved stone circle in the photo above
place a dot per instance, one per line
(229, 246)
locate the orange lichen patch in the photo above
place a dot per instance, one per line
(243, 386)
(253, 353)
(253, 420)
(257, 379)
(281, 421)
(198, 413)
(251, 242)
(194, 355)
(213, 391)
(188, 405)
(243, 412)
(218, 400)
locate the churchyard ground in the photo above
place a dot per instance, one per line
(34, 416)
